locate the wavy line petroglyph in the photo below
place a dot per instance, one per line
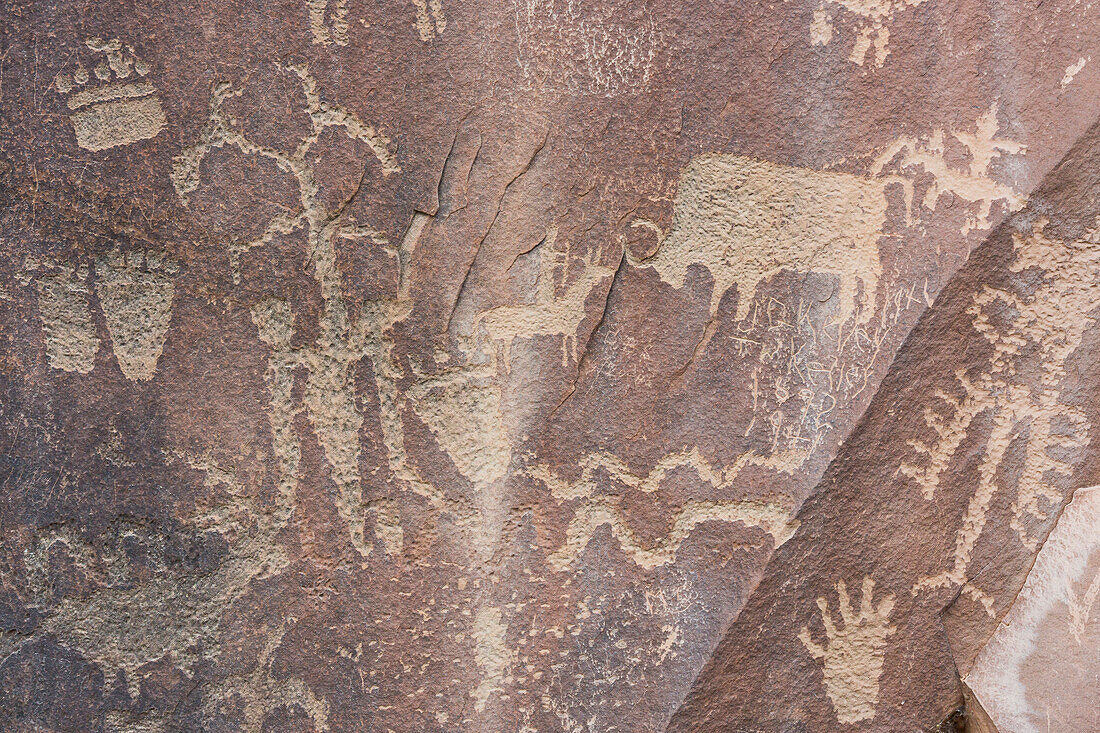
(551, 314)
(746, 220)
(597, 510)
(1049, 325)
(108, 114)
(974, 183)
(853, 654)
(871, 20)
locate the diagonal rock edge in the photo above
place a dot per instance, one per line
(1068, 195)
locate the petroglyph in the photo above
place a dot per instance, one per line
(853, 654)
(135, 291)
(430, 21)
(746, 220)
(111, 113)
(972, 184)
(1081, 606)
(870, 20)
(1073, 69)
(551, 314)
(329, 397)
(1048, 326)
(566, 46)
(71, 341)
(335, 30)
(492, 654)
(596, 511)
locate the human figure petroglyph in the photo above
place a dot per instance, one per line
(853, 654)
(329, 397)
(106, 113)
(1048, 325)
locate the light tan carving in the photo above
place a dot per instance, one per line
(853, 654)
(1049, 324)
(71, 341)
(430, 21)
(973, 184)
(746, 220)
(492, 654)
(108, 114)
(335, 31)
(135, 291)
(871, 20)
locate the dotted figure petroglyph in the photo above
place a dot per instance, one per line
(330, 400)
(117, 107)
(909, 156)
(1048, 326)
(853, 654)
(430, 20)
(71, 341)
(871, 20)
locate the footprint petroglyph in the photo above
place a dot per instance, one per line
(135, 291)
(116, 107)
(71, 341)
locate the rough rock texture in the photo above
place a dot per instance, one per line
(539, 365)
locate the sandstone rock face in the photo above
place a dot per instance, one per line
(547, 365)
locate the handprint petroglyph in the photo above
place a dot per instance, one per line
(853, 654)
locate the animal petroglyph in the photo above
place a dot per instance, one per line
(853, 654)
(135, 291)
(329, 397)
(597, 511)
(71, 341)
(871, 19)
(107, 114)
(328, 22)
(1048, 325)
(972, 183)
(551, 314)
(430, 21)
(746, 220)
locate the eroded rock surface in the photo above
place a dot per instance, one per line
(537, 365)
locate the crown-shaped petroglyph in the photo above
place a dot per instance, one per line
(114, 104)
(853, 653)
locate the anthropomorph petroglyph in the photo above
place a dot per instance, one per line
(599, 510)
(853, 653)
(328, 22)
(746, 220)
(973, 183)
(430, 20)
(330, 400)
(551, 314)
(870, 19)
(107, 113)
(1049, 326)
